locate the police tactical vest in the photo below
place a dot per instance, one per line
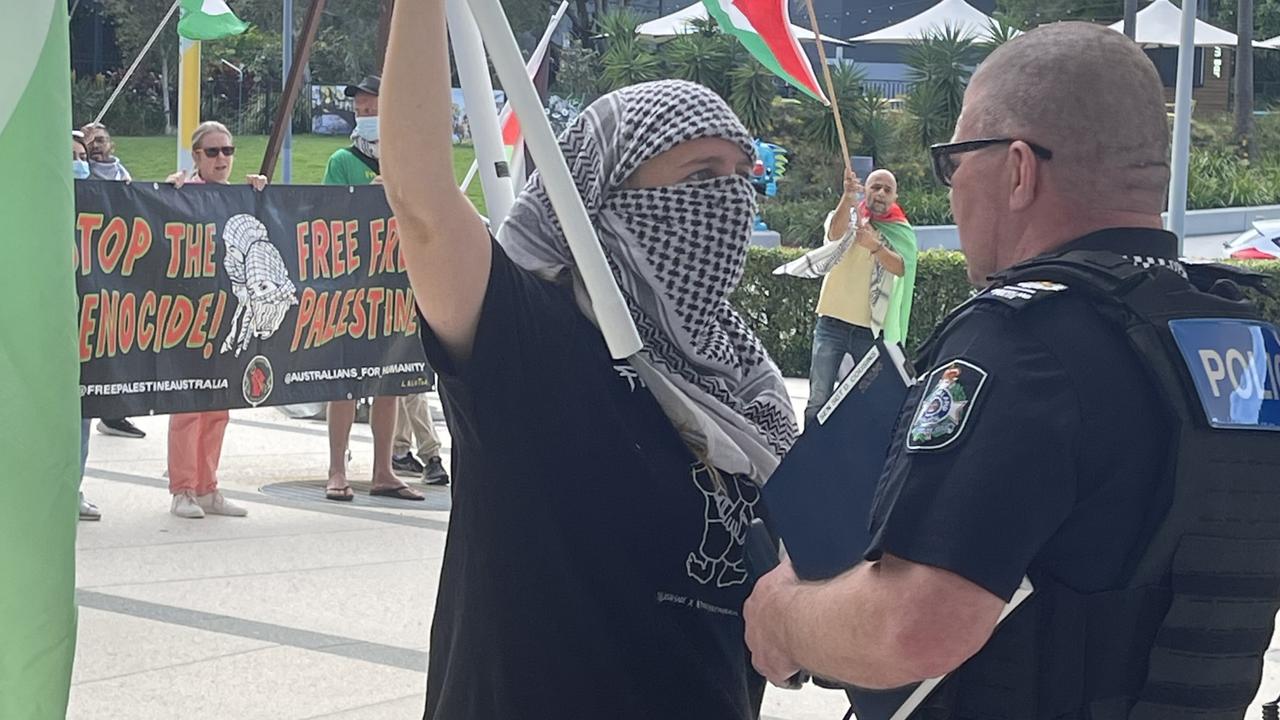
(1185, 638)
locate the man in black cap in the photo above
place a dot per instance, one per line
(358, 163)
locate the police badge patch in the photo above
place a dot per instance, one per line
(948, 398)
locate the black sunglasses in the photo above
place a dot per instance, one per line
(212, 152)
(944, 155)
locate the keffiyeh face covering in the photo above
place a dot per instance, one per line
(677, 253)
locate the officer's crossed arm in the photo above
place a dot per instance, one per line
(982, 473)
(880, 625)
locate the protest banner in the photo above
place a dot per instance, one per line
(216, 296)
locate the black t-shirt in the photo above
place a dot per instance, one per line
(593, 569)
(1036, 445)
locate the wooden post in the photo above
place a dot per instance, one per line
(831, 86)
(284, 113)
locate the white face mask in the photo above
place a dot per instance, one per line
(80, 169)
(367, 128)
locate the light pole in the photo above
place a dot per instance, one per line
(286, 51)
(239, 94)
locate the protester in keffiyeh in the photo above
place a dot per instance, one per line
(595, 565)
(677, 254)
(868, 267)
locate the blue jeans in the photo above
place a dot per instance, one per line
(832, 340)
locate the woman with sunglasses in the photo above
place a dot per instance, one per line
(213, 151)
(195, 439)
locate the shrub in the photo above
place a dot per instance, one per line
(780, 309)
(798, 222)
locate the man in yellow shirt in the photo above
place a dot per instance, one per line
(868, 292)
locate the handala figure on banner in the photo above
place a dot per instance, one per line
(259, 280)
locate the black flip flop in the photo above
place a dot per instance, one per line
(397, 492)
(342, 494)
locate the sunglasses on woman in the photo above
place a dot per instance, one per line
(945, 161)
(212, 152)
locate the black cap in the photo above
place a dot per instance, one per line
(369, 84)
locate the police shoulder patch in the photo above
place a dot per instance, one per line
(1020, 294)
(945, 405)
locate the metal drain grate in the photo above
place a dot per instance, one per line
(437, 498)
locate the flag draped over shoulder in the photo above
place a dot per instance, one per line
(901, 237)
(897, 231)
(39, 398)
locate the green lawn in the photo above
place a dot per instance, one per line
(153, 158)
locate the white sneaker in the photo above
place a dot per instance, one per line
(89, 511)
(215, 504)
(184, 506)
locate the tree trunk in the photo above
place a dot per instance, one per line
(164, 84)
(1131, 18)
(385, 8)
(1244, 74)
(583, 19)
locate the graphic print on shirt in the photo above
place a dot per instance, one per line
(628, 373)
(728, 512)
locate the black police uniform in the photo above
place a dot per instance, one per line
(1058, 434)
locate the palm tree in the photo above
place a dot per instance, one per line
(870, 117)
(1244, 74)
(940, 65)
(704, 56)
(818, 123)
(999, 32)
(751, 93)
(629, 59)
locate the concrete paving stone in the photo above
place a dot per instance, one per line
(275, 683)
(326, 545)
(409, 706)
(389, 602)
(114, 646)
(300, 611)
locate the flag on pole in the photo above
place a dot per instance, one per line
(764, 29)
(39, 398)
(208, 20)
(511, 133)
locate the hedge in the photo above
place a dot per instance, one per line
(781, 308)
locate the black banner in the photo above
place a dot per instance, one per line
(216, 296)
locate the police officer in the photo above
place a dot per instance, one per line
(1099, 420)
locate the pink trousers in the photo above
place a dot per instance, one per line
(195, 447)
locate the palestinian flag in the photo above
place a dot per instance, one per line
(39, 397)
(208, 20)
(764, 29)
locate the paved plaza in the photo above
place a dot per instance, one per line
(306, 609)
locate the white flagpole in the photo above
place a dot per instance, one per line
(477, 89)
(471, 175)
(1182, 123)
(606, 299)
(136, 61)
(535, 61)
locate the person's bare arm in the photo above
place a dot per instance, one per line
(872, 240)
(844, 209)
(880, 625)
(445, 243)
